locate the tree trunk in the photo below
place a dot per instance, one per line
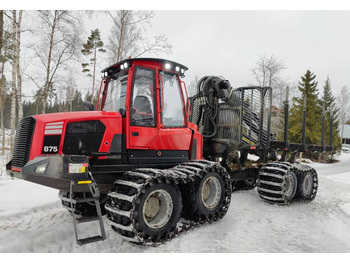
(123, 16)
(2, 128)
(93, 78)
(14, 74)
(2, 106)
(48, 69)
(19, 77)
(1, 28)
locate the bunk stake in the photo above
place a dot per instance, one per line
(303, 138)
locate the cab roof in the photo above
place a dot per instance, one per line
(173, 65)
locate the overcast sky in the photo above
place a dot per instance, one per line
(229, 43)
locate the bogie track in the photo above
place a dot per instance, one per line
(146, 204)
(285, 183)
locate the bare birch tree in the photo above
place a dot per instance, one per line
(18, 70)
(2, 87)
(14, 78)
(57, 44)
(267, 73)
(343, 100)
(126, 37)
(1, 28)
(5, 57)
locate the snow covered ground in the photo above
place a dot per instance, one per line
(32, 220)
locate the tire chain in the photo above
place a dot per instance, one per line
(181, 174)
(298, 169)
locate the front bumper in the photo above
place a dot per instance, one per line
(55, 171)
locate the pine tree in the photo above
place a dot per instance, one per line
(93, 45)
(308, 88)
(329, 105)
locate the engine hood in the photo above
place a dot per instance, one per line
(75, 116)
(74, 132)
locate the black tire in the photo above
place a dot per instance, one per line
(158, 210)
(204, 199)
(278, 182)
(84, 209)
(307, 185)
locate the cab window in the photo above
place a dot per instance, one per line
(116, 93)
(143, 98)
(171, 101)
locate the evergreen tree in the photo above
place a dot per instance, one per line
(308, 88)
(329, 105)
(93, 45)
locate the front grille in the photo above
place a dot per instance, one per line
(23, 142)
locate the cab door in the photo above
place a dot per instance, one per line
(174, 136)
(142, 108)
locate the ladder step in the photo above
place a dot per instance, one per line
(87, 219)
(88, 199)
(76, 220)
(79, 200)
(88, 240)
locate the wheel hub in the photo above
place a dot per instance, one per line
(308, 184)
(157, 208)
(289, 184)
(152, 207)
(211, 192)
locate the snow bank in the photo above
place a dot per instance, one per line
(19, 196)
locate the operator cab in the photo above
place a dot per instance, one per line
(115, 81)
(152, 99)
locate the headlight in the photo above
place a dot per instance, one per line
(40, 169)
(167, 66)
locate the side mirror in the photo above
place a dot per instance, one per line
(88, 106)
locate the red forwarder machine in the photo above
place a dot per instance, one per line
(157, 162)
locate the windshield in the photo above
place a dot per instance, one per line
(116, 93)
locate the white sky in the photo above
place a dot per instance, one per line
(228, 43)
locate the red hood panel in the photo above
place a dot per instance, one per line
(111, 120)
(76, 116)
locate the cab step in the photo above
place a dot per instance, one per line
(77, 219)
